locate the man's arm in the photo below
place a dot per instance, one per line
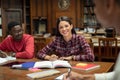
(29, 50)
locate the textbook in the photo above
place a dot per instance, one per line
(86, 66)
(42, 74)
(43, 64)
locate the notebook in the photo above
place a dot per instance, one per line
(37, 75)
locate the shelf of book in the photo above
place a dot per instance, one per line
(89, 15)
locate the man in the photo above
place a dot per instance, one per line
(16, 43)
(108, 14)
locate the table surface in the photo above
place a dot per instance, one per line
(6, 73)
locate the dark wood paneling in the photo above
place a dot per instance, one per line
(50, 9)
(39, 7)
(33, 7)
(45, 8)
(49, 16)
(78, 16)
(70, 12)
(11, 4)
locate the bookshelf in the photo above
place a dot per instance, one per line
(0, 20)
(89, 15)
(40, 25)
(27, 16)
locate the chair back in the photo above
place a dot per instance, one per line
(108, 48)
(90, 43)
(41, 42)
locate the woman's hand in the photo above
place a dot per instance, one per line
(66, 58)
(52, 57)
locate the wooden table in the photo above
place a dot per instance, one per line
(6, 73)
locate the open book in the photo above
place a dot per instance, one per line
(5, 60)
(43, 64)
(86, 66)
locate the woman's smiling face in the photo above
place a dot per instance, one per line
(65, 28)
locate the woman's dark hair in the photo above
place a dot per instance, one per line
(63, 18)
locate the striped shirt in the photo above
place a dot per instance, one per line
(77, 46)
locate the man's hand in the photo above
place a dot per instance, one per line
(3, 54)
(11, 54)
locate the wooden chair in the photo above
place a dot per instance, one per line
(108, 49)
(90, 43)
(41, 42)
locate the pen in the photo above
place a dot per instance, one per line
(69, 71)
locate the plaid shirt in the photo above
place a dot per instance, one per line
(77, 46)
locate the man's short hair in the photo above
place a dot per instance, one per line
(12, 24)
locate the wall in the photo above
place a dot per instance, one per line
(10, 10)
(51, 10)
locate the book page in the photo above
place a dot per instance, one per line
(61, 63)
(4, 60)
(10, 58)
(43, 64)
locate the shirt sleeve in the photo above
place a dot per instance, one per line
(48, 48)
(29, 49)
(105, 76)
(87, 51)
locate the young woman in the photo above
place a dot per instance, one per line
(67, 44)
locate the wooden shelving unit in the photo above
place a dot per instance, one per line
(27, 16)
(89, 15)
